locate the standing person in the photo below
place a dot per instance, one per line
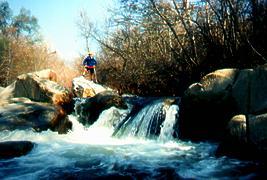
(89, 64)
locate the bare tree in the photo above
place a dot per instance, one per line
(85, 27)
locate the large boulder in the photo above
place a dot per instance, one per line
(257, 131)
(249, 93)
(40, 103)
(36, 86)
(207, 106)
(22, 113)
(228, 105)
(246, 137)
(249, 90)
(236, 143)
(89, 109)
(11, 149)
(47, 74)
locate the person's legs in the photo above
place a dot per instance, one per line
(87, 73)
(91, 73)
(84, 71)
(93, 77)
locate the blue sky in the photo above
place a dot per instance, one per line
(57, 20)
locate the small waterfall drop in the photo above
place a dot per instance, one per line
(154, 120)
(98, 133)
(167, 129)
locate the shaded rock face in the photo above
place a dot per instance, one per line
(11, 149)
(88, 110)
(22, 113)
(235, 142)
(246, 138)
(257, 127)
(206, 107)
(26, 115)
(230, 106)
(249, 93)
(249, 90)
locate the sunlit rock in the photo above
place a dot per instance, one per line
(40, 103)
(237, 127)
(84, 88)
(34, 86)
(1, 88)
(219, 81)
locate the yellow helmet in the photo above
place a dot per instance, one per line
(90, 53)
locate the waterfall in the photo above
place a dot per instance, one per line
(101, 131)
(154, 120)
(92, 152)
(167, 129)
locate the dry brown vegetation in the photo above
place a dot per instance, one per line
(24, 57)
(22, 51)
(159, 47)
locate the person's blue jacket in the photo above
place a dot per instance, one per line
(89, 62)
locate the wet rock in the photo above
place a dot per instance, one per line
(11, 149)
(89, 109)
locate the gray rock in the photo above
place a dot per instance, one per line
(25, 114)
(33, 101)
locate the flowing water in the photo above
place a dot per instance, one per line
(93, 153)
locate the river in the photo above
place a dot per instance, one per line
(95, 153)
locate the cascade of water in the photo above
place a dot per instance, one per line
(167, 129)
(92, 152)
(101, 131)
(153, 120)
(146, 123)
